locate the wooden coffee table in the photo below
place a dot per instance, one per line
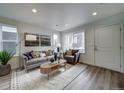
(48, 67)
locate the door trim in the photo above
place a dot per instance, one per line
(122, 46)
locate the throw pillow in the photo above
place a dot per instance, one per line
(28, 55)
(69, 53)
(74, 51)
(36, 54)
(43, 54)
(48, 53)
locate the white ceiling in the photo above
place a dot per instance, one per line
(50, 15)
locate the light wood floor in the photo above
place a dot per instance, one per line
(5, 82)
(92, 78)
(96, 78)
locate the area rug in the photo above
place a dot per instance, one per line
(34, 80)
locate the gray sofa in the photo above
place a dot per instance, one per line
(35, 62)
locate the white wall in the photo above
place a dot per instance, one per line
(88, 57)
(30, 28)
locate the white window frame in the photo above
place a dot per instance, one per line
(1, 34)
(55, 39)
(69, 39)
(81, 50)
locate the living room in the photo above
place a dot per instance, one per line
(53, 46)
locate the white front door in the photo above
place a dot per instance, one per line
(107, 47)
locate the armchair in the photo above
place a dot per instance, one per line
(72, 57)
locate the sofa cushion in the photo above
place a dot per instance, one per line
(69, 56)
(49, 57)
(69, 52)
(36, 60)
(74, 51)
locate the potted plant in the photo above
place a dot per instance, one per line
(5, 68)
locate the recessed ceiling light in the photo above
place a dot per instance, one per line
(34, 10)
(101, 3)
(94, 13)
(66, 25)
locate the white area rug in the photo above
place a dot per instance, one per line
(34, 80)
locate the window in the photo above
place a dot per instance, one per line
(75, 40)
(55, 39)
(78, 40)
(8, 38)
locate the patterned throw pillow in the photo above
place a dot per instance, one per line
(28, 55)
(69, 52)
(48, 53)
(36, 54)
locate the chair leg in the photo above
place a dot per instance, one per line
(26, 70)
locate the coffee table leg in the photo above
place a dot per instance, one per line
(49, 73)
(48, 76)
(65, 66)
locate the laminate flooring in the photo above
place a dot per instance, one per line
(96, 78)
(92, 78)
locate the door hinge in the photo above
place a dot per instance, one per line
(120, 47)
(120, 65)
(120, 29)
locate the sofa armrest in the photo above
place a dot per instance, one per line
(25, 59)
(76, 56)
(64, 54)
